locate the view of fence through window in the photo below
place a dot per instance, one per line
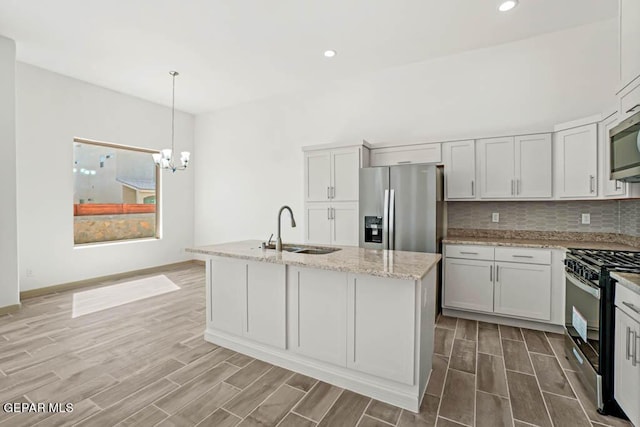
(115, 192)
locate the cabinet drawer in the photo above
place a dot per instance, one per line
(628, 301)
(524, 255)
(469, 252)
(630, 101)
(426, 153)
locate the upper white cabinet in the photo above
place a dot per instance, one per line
(407, 154)
(332, 175)
(459, 159)
(576, 168)
(610, 187)
(629, 100)
(629, 41)
(515, 167)
(533, 166)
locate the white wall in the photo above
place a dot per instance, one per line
(252, 152)
(8, 211)
(50, 111)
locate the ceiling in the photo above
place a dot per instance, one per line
(234, 51)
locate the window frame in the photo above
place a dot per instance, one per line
(158, 192)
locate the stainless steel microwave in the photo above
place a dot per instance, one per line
(625, 150)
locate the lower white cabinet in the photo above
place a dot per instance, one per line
(508, 281)
(469, 284)
(627, 366)
(248, 299)
(380, 328)
(332, 223)
(523, 290)
(317, 306)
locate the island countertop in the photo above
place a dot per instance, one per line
(373, 262)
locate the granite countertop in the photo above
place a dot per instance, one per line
(539, 243)
(628, 280)
(374, 262)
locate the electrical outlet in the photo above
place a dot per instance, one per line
(495, 217)
(586, 218)
(28, 272)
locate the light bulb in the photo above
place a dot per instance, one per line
(507, 5)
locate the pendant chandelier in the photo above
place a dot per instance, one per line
(165, 158)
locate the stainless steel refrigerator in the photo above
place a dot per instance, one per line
(401, 208)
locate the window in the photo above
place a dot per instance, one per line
(116, 188)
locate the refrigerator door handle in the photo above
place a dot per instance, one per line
(385, 217)
(392, 214)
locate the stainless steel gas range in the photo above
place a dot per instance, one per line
(590, 321)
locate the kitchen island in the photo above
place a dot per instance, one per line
(357, 318)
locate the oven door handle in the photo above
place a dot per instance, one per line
(592, 291)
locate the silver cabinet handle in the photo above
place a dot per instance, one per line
(328, 213)
(497, 273)
(634, 354)
(333, 192)
(631, 306)
(512, 187)
(491, 273)
(522, 256)
(333, 213)
(469, 253)
(392, 219)
(473, 190)
(627, 353)
(328, 192)
(517, 186)
(632, 108)
(404, 162)
(591, 181)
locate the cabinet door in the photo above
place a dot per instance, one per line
(523, 290)
(344, 224)
(497, 167)
(318, 223)
(317, 176)
(626, 375)
(460, 169)
(533, 166)
(265, 299)
(345, 166)
(468, 284)
(577, 162)
(228, 280)
(629, 40)
(318, 314)
(381, 327)
(610, 187)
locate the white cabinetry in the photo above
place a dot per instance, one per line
(576, 168)
(332, 223)
(514, 282)
(515, 167)
(317, 307)
(248, 299)
(497, 167)
(407, 154)
(627, 353)
(459, 159)
(629, 41)
(380, 328)
(610, 187)
(331, 194)
(332, 175)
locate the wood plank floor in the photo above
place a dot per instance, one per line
(145, 363)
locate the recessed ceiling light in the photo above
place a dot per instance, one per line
(329, 53)
(507, 5)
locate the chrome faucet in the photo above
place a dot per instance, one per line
(293, 224)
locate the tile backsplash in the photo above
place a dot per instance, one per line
(607, 216)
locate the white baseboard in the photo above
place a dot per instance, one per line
(509, 321)
(397, 394)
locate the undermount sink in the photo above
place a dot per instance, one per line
(304, 249)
